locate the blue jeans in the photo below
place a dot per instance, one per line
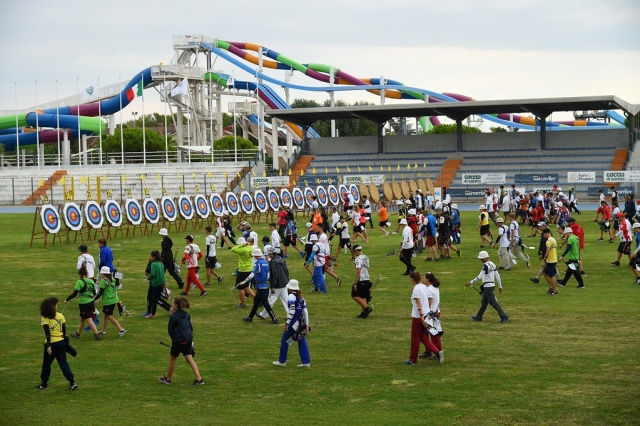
(303, 347)
(318, 279)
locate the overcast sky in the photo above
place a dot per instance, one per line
(490, 49)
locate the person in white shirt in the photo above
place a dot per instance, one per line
(211, 259)
(322, 238)
(335, 217)
(275, 238)
(367, 211)
(191, 256)
(318, 257)
(515, 240)
(419, 309)
(407, 247)
(419, 200)
(86, 260)
(489, 276)
(429, 199)
(361, 289)
(433, 310)
(352, 201)
(504, 242)
(506, 204)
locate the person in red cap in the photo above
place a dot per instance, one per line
(625, 235)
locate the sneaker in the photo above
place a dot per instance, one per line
(582, 272)
(220, 278)
(616, 263)
(409, 362)
(241, 306)
(75, 335)
(362, 313)
(550, 291)
(302, 255)
(561, 283)
(279, 364)
(121, 332)
(73, 386)
(42, 386)
(580, 286)
(184, 293)
(554, 293)
(102, 333)
(262, 316)
(441, 357)
(459, 253)
(164, 380)
(504, 319)
(476, 318)
(97, 336)
(203, 293)
(394, 233)
(149, 316)
(600, 239)
(426, 355)
(367, 312)
(534, 280)
(339, 280)
(198, 382)
(146, 314)
(275, 321)
(527, 262)
(247, 319)
(304, 365)
(207, 284)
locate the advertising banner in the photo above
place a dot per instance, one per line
(581, 177)
(536, 179)
(365, 179)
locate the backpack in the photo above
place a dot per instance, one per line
(301, 330)
(290, 215)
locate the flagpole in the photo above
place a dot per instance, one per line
(58, 124)
(235, 138)
(100, 122)
(37, 129)
(15, 94)
(166, 131)
(211, 118)
(144, 138)
(121, 127)
(79, 137)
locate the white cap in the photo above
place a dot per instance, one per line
(256, 252)
(241, 240)
(636, 225)
(163, 232)
(309, 225)
(483, 255)
(482, 207)
(293, 285)
(268, 249)
(407, 202)
(403, 221)
(500, 220)
(568, 230)
(454, 206)
(445, 202)
(313, 237)
(412, 211)
(105, 270)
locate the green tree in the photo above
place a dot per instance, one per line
(227, 142)
(354, 127)
(445, 129)
(498, 130)
(132, 141)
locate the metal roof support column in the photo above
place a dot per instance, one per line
(380, 138)
(633, 137)
(306, 149)
(459, 134)
(543, 133)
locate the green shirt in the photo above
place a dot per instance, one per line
(574, 251)
(156, 274)
(110, 294)
(244, 257)
(87, 295)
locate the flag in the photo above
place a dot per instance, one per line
(181, 88)
(264, 173)
(158, 177)
(253, 172)
(290, 173)
(134, 91)
(388, 168)
(359, 169)
(348, 169)
(62, 181)
(142, 178)
(326, 170)
(313, 170)
(398, 168)
(242, 186)
(408, 166)
(208, 174)
(280, 173)
(337, 169)
(90, 92)
(370, 169)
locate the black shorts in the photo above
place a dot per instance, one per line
(550, 269)
(624, 247)
(362, 289)
(604, 226)
(86, 310)
(634, 262)
(184, 348)
(210, 262)
(290, 240)
(108, 309)
(307, 251)
(344, 242)
(485, 230)
(383, 224)
(357, 228)
(241, 277)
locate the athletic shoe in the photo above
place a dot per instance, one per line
(582, 272)
(504, 319)
(302, 255)
(164, 380)
(534, 280)
(220, 280)
(241, 306)
(203, 293)
(459, 253)
(121, 332)
(360, 316)
(73, 386)
(441, 357)
(102, 333)
(367, 312)
(527, 263)
(394, 233)
(75, 335)
(409, 362)
(426, 355)
(476, 318)
(207, 284)
(561, 283)
(247, 319)
(600, 239)
(262, 316)
(198, 382)
(97, 337)
(553, 293)
(279, 364)
(42, 386)
(550, 291)
(339, 280)
(304, 365)
(184, 293)
(275, 321)
(150, 316)
(616, 263)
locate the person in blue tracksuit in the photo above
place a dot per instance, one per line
(297, 327)
(261, 275)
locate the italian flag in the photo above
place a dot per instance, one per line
(134, 91)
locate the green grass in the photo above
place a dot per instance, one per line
(571, 359)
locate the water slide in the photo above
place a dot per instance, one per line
(393, 89)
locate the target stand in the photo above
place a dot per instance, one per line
(49, 225)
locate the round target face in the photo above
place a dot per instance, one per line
(168, 208)
(247, 202)
(113, 213)
(151, 210)
(334, 197)
(186, 208)
(308, 195)
(134, 212)
(274, 201)
(342, 190)
(232, 203)
(321, 193)
(285, 196)
(261, 200)
(298, 198)
(355, 192)
(93, 213)
(217, 206)
(202, 207)
(50, 219)
(72, 216)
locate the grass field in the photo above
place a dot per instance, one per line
(570, 359)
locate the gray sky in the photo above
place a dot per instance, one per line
(492, 49)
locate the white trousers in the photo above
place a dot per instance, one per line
(279, 293)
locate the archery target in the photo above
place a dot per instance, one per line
(334, 197)
(113, 213)
(151, 210)
(93, 213)
(50, 218)
(247, 202)
(274, 201)
(168, 208)
(217, 206)
(134, 212)
(232, 203)
(298, 198)
(308, 195)
(342, 190)
(321, 193)
(285, 196)
(261, 200)
(186, 208)
(355, 192)
(72, 216)
(202, 208)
